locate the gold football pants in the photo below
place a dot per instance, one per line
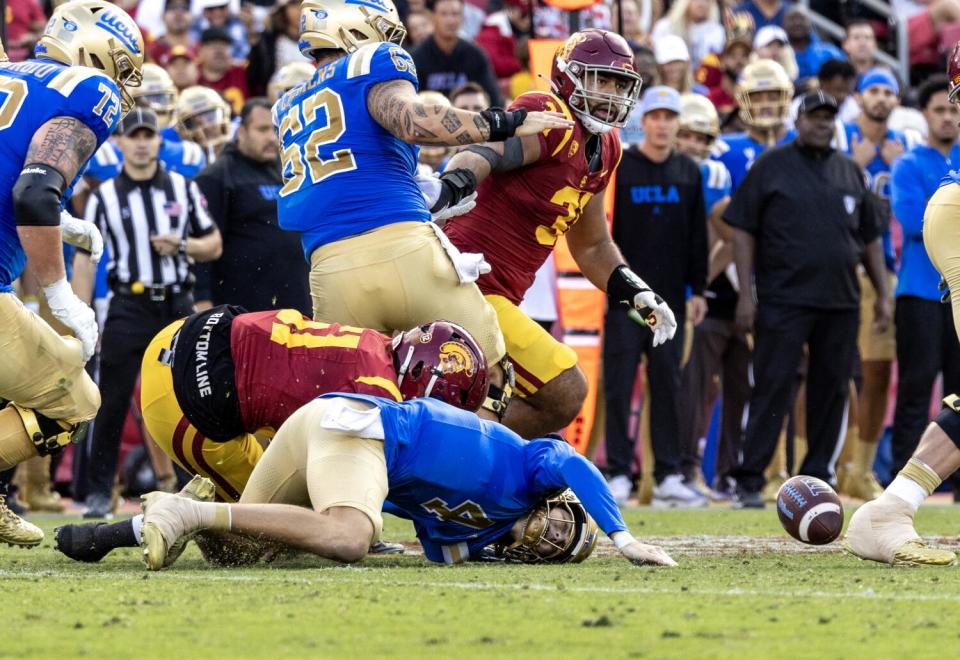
(941, 237)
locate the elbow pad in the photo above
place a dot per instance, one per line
(454, 186)
(36, 196)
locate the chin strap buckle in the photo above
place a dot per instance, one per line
(498, 398)
(47, 435)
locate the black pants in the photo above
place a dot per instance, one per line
(132, 323)
(781, 332)
(624, 343)
(926, 345)
(718, 351)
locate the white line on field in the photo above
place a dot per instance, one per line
(356, 579)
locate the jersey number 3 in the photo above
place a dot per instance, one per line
(302, 161)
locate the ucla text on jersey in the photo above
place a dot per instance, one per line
(343, 173)
(31, 94)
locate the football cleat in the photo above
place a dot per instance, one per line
(79, 542)
(14, 530)
(165, 519)
(200, 489)
(882, 530)
(385, 548)
(861, 485)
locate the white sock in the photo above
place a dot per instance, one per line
(907, 490)
(137, 522)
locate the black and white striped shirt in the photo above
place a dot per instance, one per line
(129, 212)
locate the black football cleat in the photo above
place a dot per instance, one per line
(79, 542)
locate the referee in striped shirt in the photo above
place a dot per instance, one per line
(155, 223)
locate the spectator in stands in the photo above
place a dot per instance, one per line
(274, 47)
(673, 62)
(660, 227)
(635, 27)
(216, 14)
(470, 97)
(445, 61)
(498, 36)
(697, 22)
(860, 45)
(802, 218)
(771, 43)
(25, 22)
(926, 341)
(735, 56)
(764, 12)
(419, 27)
(808, 50)
(217, 71)
(262, 266)
(645, 63)
(927, 30)
(180, 63)
(837, 78)
(176, 20)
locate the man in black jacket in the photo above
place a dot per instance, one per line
(660, 227)
(445, 62)
(262, 266)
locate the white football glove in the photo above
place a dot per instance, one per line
(82, 234)
(656, 315)
(465, 205)
(67, 308)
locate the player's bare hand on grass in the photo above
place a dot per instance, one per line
(642, 554)
(537, 122)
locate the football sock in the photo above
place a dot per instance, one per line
(213, 515)
(137, 524)
(117, 535)
(15, 445)
(915, 482)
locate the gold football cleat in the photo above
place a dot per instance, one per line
(14, 530)
(861, 485)
(919, 553)
(200, 489)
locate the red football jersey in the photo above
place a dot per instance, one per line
(520, 214)
(283, 360)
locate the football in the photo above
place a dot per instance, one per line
(810, 510)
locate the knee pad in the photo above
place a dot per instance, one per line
(498, 398)
(948, 418)
(46, 434)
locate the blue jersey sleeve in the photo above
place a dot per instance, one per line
(555, 465)
(92, 97)
(105, 163)
(717, 183)
(381, 63)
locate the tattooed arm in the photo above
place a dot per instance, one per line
(395, 106)
(57, 152)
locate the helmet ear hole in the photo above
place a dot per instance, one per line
(97, 62)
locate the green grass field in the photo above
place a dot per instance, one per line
(743, 589)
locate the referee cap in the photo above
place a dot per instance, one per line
(139, 118)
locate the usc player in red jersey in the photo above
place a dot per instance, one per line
(213, 381)
(531, 191)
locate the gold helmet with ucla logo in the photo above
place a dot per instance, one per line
(100, 35)
(698, 115)
(203, 117)
(288, 77)
(558, 531)
(764, 76)
(157, 92)
(346, 25)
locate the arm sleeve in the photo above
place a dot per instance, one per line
(381, 63)
(200, 222)
(554, 141)
(908, 197)
(93, 98)
(697, 266)
(747, 204)
(557, 465)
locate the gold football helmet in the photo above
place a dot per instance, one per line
(100, 35)
(158, 93)
(760, 77)
(288, 77)
(537, 545)
(203, 117)
(346, 26)
(698, 115)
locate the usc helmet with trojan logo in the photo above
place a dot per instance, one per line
(158, 93)
(558, 531)
(441, 360)
(577, 66)
(764, 76)
(345, 25)
(288, 77)
(99, 35)
(203, 117)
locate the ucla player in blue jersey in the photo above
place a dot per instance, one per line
(763, 94)
(54, 112)
(468, 485)
(349, 170)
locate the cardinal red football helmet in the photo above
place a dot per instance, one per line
(441, 360)
(953, 72)
(577, 65)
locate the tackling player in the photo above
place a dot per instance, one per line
(56, 110)
(466, 483)
(212, 381)
(349, 168)
(882, 530)
(538, 188)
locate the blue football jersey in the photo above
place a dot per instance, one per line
(716, 183)
(32, 93)
(182, 156)
(738, 151)
(465, 481)
(343, 173)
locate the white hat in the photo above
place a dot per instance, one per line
(768, 34)
(670, 48)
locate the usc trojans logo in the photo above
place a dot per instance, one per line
(567, 48)
(456, 358)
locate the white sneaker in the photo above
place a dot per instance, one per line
(620, 487)
(673, 493)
